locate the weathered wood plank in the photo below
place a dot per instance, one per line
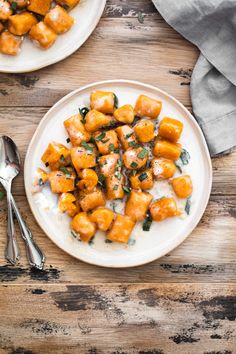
(131, 8)
(123, 48)
(26, 119)
(208, 255)
(115, 319)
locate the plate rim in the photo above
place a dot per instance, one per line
(68, 53)
(206, 150)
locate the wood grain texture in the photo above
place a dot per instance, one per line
(119, 319)
(208, 255)
(124, 48)
(183, 303)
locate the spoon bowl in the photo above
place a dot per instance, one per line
(9, 159)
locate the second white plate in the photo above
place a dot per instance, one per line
(144, 246)
(86, 14)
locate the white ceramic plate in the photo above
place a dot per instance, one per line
(86, 14)
(144, 246)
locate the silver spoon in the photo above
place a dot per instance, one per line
(9, 168)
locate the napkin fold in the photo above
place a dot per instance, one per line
(211, 26)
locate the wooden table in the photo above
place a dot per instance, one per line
(181, 303)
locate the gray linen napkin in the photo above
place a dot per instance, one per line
(211, 26)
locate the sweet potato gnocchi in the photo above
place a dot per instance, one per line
(116, 153)
(41, 20)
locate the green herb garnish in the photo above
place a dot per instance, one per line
(133, 164)
(147, 223)
(68, 140)
(142, 153)
(127, 189)
(179, 167)
(92, 140)
(91, 241)
(143, 176)
(14, 6)
(140, 17)
(65, 7)
(83, 111)
(115, 187)
(133, 144)
(87, 146)
(40, 182)
(105, 141)
(127, 136)
(2, 195)
(62, 158)
(116, 101)
(131, 242)
(75, 235)
(100, 137)
(184, 157)
(118, 175)
(101, 179)
(119, 163)
(65, 170)
(111, 147)
(188, 206)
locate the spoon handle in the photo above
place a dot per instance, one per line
(35, 256)
(12, 253)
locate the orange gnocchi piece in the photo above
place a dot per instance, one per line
(137, 205)
(42, 35)
(89, 180)
(40, 7)
(145, 130)
(170, 129)
(135, 158)
(5, 10)
(95, 120)
(121, 229)
(59, 20)
(103, 102)
(42, 177)
(164, 208)
(182, 186)
(147, 107)
(76, 130)
(21, 23)
(83, 157)
(125, 114)
(108, 164)
(83, 226)
(103, 217)
(163, 168)
(106, 142)
(167, 149)
(126, 136)
(56, 155)
(66, 204)
(9, 43)
(62, 181)
(142, 180)
(114, 186)
(89, 201)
